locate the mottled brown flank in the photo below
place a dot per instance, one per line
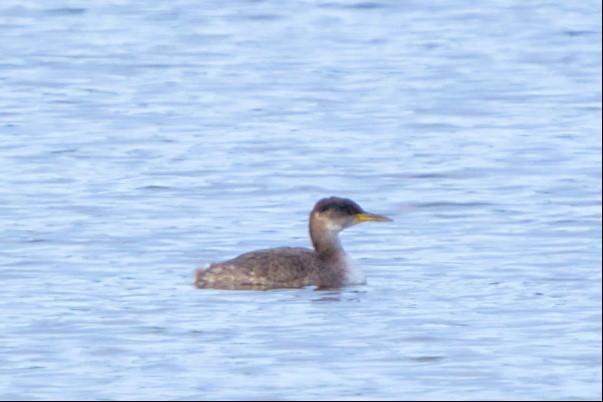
(284, 267)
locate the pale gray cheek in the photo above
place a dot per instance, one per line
(334, 227)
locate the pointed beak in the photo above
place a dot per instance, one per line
(366, 217)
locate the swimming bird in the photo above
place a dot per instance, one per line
(327, 266)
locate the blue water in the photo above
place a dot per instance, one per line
(141, 140)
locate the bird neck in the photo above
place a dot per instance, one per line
(325, 240)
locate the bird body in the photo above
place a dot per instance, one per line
(327, 266)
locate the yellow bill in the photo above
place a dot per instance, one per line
(366, 217)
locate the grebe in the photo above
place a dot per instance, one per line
(327, 266)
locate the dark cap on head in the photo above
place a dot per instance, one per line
(342, 206)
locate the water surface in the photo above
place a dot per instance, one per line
(140, 140)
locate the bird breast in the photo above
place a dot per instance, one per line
(353, 273)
